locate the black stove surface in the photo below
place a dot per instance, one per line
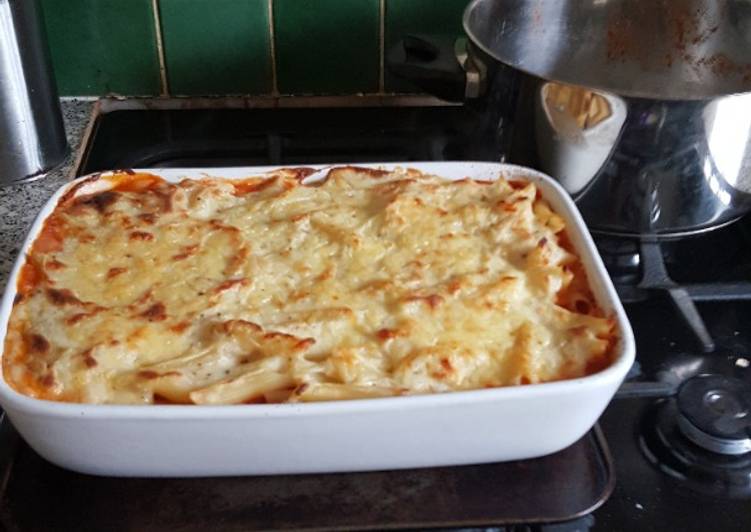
(261, 137)
(665, 481)
(648, 495)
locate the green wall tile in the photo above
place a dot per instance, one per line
(102, 46)
(216, 46)
(419, 16)
(327, 46)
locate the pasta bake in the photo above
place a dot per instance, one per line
(365, 284)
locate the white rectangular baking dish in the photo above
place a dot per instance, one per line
(420, 431)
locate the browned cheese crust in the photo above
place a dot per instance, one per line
(367, 284)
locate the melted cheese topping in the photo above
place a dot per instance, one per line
(367, 284)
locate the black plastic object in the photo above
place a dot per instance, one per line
(430, 62)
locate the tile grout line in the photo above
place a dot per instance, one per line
(381, 47)
(160, 48)
(272, 49)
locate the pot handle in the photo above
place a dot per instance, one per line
(431, 63)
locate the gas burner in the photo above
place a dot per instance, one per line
(715, 413)
(703, 436)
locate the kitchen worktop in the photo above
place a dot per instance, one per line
(19, 204)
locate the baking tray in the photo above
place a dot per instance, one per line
(457, 428)
(559, 487)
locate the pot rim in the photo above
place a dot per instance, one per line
(683, 91)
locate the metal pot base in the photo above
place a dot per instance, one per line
(666, 236)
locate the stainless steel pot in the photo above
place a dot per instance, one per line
(32, 138)
(642, 110)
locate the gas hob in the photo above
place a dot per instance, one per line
(677, 432)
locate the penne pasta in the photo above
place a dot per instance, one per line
(340, 392)
(268, 289)
(244, 388)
